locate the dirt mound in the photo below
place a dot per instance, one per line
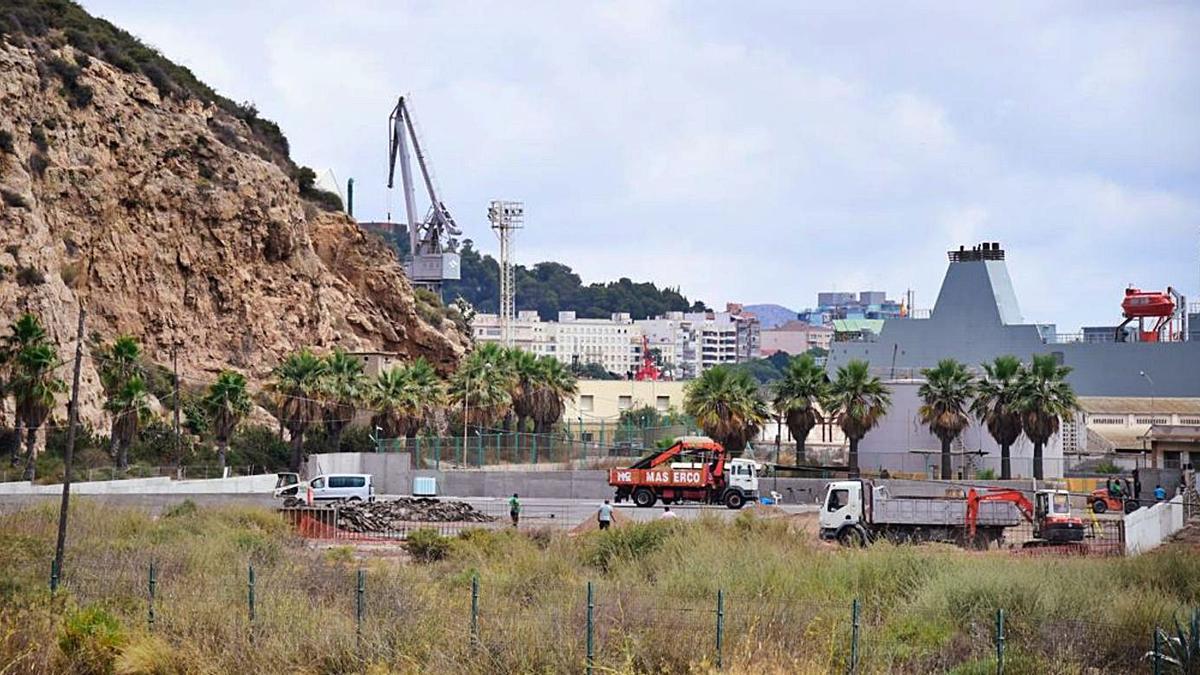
(590, 524)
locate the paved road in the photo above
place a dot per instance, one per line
(536, 512)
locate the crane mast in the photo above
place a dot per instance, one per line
(432, 257)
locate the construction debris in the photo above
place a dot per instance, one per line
(382, 516)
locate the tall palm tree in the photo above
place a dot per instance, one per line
(555, 383)
(797, 397)
(406, 399)
(342, 390)
(857, 400)
(297, 383)
(129, 405)
(946, 396)
(26, 331)
(119, 364)
(227, 403)
(527, 369)
(34, 387)
(996, 406)
(1043, 397)
(482, 386)
(727, 405)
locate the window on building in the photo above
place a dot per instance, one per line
(586, 402)
(662, 403)
(624, 402)
(1170, 460)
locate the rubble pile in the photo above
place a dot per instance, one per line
(382, 516)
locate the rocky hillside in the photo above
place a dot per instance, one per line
(164, 216)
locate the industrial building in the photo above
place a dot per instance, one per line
(977, 318)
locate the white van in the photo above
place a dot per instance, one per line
(328, 487)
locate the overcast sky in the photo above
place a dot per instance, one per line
(753, 152)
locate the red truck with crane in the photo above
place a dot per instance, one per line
(693, 468)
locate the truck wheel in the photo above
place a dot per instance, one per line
(734, 499)
(852, 536)
(1131, 505)
(1099, 506)
(644, 498)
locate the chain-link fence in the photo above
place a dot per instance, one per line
(597, 627)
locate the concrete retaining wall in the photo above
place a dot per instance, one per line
(1147, 528)
(158, 485)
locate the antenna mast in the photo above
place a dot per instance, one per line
(506, 217)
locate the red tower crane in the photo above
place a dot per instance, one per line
(647, 371)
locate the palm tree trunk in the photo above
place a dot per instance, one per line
(222, 448)
(852, 459)
(16, 446)
(114, 443)
(801, 450)
(123, 456)
(1005, 462)
(1037, 460)
(30, 455)
(335, 438)
(297, 451)
(946, 468)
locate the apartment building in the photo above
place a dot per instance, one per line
(614, 343)
(795, 337)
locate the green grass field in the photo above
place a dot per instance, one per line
(787, 601)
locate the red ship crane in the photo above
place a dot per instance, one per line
(1140, 305)
(648, 371)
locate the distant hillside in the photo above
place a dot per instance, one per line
(551, 287)
(771, 316)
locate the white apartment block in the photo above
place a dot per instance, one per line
(614, 343)
(689, 342)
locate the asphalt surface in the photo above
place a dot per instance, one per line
(535, 511)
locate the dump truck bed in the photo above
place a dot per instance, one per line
(941, 511)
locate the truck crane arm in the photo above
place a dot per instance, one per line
(712, 450)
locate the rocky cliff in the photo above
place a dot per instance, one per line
(162, 216)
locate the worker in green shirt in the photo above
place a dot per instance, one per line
(514, 509)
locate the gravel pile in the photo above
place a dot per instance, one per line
(382, 516)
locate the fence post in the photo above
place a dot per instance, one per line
(590, 629)
(437, 453)
(1157, 655)
(854, 636)
(250, 598)
(53, 576)
(152, 582)
(534, 436)
(720, 625)
(474, 608)
(359, 607)
(999, 642)
(479, 450)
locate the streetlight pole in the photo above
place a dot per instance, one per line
(1150, 381)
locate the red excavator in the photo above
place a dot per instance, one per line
(1053, 524)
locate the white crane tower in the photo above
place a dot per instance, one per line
(506, 218)
(432, 257)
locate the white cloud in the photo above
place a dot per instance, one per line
(757, 153)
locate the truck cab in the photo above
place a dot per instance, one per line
(841, 509)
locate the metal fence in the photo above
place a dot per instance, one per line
(575, 445)
(602, 627)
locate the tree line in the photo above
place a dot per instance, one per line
(493, 386)
(1009, 399)
(549, 287)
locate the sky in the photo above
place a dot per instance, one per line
(752, 151)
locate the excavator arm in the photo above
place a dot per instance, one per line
(1015, 497)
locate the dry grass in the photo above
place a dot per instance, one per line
(787, 602)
